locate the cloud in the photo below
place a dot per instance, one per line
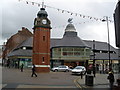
(18, 14)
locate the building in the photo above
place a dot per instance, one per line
(117, 28)
(117, 24)
(14, 41)
(41, 42)
(70, 50)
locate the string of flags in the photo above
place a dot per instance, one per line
(74, 24)
(65, 11)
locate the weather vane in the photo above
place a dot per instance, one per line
(70, 20)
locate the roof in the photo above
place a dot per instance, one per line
(26, 43)
(69, 39)
(99, 45)
(70, 28)
(105, 56)
(42, 12)
(20, 52)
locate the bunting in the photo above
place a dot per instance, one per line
(69, 12)
(74, 24)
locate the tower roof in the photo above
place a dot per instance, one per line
(42, 13)
(70, 28)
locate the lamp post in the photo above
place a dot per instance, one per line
(106, 19)
(94, 70)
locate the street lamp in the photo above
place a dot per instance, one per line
(106, 19)
(94, 70)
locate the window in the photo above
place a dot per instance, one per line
(43, 38)
(43, 59)
(64, 53)
(76, 53)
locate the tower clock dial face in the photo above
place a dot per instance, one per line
(44, 21)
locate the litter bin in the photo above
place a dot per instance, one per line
(89, 80)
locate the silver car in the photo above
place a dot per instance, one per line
(79, 70)
(61, 68)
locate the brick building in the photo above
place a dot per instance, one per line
(14, 41)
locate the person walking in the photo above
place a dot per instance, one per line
(33, 71)
(22, 67)
(111, 78)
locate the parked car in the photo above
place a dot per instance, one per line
(79, 70)
(61, 68)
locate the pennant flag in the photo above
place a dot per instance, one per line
(100, 19)
(90, 17)
(27, 2)
(76, 14)
(83, 16)
(68, 11)
(44, 6)
(19, 0)
(38, 5)
(32, 3)
(80, 15)
(62, 11)
(71, 13)
(96, 19)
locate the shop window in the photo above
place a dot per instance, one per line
(76, 53)
(64, 53)
(70, 53)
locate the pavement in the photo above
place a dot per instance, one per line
(15, 79)
(53, 81)
(99, 82)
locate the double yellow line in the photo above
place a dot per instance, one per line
(76, 83)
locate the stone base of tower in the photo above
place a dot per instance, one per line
(42, 69)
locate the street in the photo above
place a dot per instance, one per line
(14, 78)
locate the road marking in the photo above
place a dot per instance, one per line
(38, 86)
(3, 85)
(76, 83)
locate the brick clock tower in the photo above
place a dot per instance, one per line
(41, 42)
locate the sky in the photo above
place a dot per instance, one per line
(14, 15)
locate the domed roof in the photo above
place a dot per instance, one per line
(70, 28)
(71, 41)
(42, 13)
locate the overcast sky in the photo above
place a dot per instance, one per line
(14, 15)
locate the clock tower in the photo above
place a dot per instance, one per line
(41, 42)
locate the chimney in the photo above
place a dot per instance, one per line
(23, 28)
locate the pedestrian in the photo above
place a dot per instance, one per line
(22, 67)
(111, 78)
(8, 63)
(33, 71)
(16, 65)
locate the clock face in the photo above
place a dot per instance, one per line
(44, 21)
